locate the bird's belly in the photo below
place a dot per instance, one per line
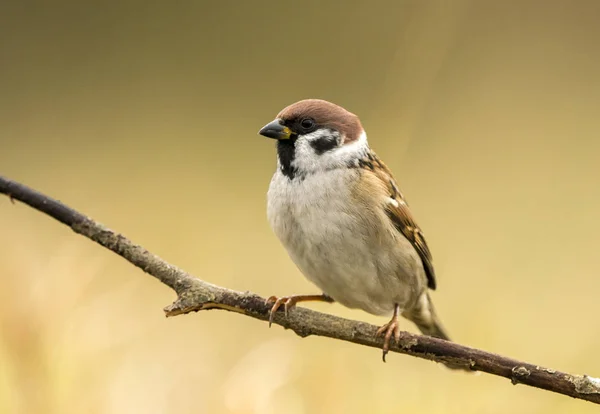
(349, 276)
(340, 249)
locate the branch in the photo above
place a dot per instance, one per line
(194, 295)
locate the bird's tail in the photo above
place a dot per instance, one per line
(424, 316)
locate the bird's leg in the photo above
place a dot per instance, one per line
(289, 302)
(389, 329)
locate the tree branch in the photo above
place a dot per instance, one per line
(194, 295)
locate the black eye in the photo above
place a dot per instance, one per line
(307, 123)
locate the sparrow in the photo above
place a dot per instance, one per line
(338, 211)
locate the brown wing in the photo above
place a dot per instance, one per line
(400, 214)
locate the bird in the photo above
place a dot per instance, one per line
(340, 215)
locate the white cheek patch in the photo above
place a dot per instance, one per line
(309, 160)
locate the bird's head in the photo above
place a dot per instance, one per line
(314, 135)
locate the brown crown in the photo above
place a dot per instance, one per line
(325, 114)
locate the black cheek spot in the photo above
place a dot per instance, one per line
(324, 144)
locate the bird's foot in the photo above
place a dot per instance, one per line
(389, 330)
(289, 302)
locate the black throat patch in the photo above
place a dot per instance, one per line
(286, 152)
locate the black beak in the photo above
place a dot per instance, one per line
(276, 130)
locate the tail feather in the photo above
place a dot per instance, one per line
(424, 316)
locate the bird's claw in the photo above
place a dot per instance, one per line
(288, 302)
(392, 328)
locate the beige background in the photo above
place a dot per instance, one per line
(144, 115)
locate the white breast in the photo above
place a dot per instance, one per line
(349, 253)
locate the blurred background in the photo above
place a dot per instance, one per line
(144, 115)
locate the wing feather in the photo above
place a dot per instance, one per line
(399, 213)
